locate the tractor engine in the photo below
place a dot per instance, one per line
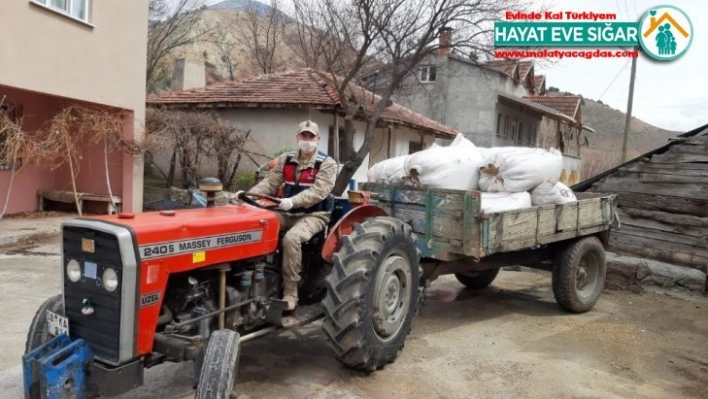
(194, 295)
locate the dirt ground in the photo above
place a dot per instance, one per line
(510, 340)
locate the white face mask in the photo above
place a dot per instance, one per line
(307, 146)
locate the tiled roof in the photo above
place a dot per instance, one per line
(524, 68)
(568, 105)
(294, 89)
(504, 66)
(538, 81)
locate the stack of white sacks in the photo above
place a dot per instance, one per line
(508, 177)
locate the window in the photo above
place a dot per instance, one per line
(500, 128)
(518, 137)
(428, 73)
(511, 133)
(75, 8)
(531, 136)
(414, 146)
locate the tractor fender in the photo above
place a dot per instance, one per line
(344, 227)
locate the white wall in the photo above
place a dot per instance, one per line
(273, 130)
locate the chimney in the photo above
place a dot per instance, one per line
(188, 75)
(444, 41)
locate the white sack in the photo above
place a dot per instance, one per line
(551, 192)
(452, 167)
(499, 202)
(517, 169)
(461, 140)
(388, 171)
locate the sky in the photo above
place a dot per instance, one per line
(671, 95)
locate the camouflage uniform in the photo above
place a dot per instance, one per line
(302, 226)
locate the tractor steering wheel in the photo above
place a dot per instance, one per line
(246, 197)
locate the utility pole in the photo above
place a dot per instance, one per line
(629, 107)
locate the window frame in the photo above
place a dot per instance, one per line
(67, 11)
(425, 73)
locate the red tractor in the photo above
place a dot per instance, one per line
(193, 284)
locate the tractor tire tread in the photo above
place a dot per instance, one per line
(564, 274)
(37, 335)
(347, 303)
(219, 366)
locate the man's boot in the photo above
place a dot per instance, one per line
(290, 294)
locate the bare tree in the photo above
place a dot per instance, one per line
(171, 27)
(346, 38)
(263, 33)
(225, 38)
(197, 138)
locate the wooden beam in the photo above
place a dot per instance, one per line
(663, 203)
(628, 244)
(679, 220)
(628, 182)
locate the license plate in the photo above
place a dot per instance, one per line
(56, 324)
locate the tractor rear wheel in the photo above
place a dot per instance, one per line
(219, 371)
(372, 293)
(38, 334)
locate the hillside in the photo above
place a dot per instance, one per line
(605, 144)
(609, 129)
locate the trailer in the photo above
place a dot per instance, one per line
(455, 237)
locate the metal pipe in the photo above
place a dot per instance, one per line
(222, 297)
(214, 313)
(165, 318)
(257, 334)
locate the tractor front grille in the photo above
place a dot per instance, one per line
(102, 329)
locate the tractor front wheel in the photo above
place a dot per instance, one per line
(38, 334)
(219, 371)
(372, 293)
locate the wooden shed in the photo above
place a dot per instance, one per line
(662, 202)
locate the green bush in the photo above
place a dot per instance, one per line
(244, 181)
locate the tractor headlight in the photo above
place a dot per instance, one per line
(73, 270)
(110, 279)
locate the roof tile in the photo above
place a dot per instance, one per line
(304, 87)
(568, 105)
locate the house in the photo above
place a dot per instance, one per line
(662, 202)
(57, 54)
(272, 106)
(499, 102)
(567, 137)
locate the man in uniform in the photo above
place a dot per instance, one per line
(309, 176)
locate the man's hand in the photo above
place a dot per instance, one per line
(286, 204)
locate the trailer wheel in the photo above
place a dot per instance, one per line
(38, 334)
(477, 280)
(579, 275)
(372, 293)
(219, 371)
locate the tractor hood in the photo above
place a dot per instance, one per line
(242, 231)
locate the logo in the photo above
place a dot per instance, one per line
(666, 33)
(150, 299)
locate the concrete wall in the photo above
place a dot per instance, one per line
(523, 119)
(91, 172)
(464, 96)
(101, 62)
